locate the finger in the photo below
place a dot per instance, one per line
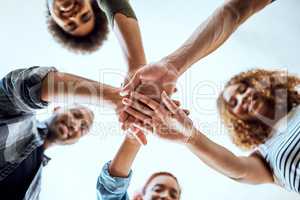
(175, 90)
(146, 100)
(143, 127)
(138, 106)
(187, 112)
(140, 116)
(141, 137)
(169, 103)
(133, 83)
(123, 116)
(176, 102)
(128, 122)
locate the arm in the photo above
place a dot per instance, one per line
(213, 32)
(115, 177)
(20, 90)
(122, 162)
(250, 169)
(126, 27)
(64, 87)
(207, 38)
(169, 122)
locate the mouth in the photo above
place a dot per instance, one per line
(63, 130)
(68, 8)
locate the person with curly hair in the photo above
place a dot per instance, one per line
(81, 26)
(261, 110)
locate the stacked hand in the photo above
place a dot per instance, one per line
(165, 119)
(158, 77)
(149, 80)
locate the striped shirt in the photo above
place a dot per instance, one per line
(282, 152)
(20, 132)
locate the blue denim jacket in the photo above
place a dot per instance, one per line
(112, 188)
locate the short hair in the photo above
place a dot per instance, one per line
(278, 87)
(81, 44)
(159, 174)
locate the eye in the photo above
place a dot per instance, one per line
(71, 26)
(242, 88)
(84, 126)
(158, 189)
(85, 17)
(77, 114)
(173, 195)
(232, 102)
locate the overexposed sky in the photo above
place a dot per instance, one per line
(270, 39)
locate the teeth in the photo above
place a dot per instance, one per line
(66, 5)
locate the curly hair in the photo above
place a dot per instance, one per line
(81, 44)
(277, 87)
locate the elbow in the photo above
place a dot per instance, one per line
(48, 85)
(237, 10)
(240, 10)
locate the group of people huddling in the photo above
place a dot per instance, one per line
(259, 107)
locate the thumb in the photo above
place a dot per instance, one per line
(133, 83)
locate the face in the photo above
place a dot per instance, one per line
(162, 188)
(76, 17)
(67, 127)
(246, 103)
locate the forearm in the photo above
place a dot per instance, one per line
(216, 156)
(123, 160)
(213, 32)
(64, 87)
(129, 36)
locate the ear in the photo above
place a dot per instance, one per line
(56, 109)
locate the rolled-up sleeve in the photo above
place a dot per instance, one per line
(20, 90)
(112, 188)
(111, 7)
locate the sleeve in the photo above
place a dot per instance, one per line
(20, 90)
(111, 7)
(112, 188)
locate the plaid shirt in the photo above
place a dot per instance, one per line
(20, 132)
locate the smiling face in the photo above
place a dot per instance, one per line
(67, 127)
(76, 17)
(246, 103)
(162, 187)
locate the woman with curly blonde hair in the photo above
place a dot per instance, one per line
(272, 94)
(261, 110)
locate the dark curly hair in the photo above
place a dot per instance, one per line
(81, 44)
(278, 87)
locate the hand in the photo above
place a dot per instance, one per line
(167, 120)
(157, 77)
(126, 120)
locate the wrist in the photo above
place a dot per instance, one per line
(175, 63)
(191, 139)
(114, 97)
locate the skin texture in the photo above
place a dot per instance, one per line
(246, 103)
(74, 16)
(210, 35)
(67, 126)
(162, 187)
(169, 122)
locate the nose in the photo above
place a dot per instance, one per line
(75, 125)
(164, 195)
(242, 99)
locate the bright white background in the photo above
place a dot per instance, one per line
(270, 40)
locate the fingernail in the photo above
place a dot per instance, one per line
(125, 101)
(123, 93)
